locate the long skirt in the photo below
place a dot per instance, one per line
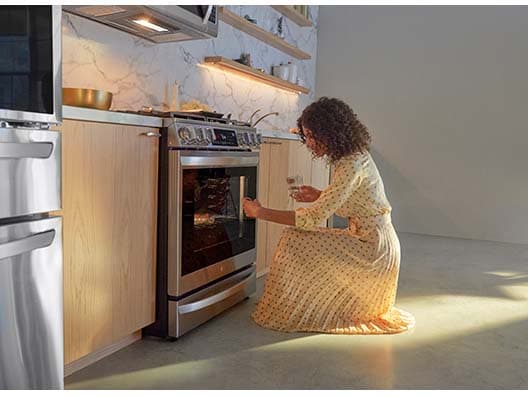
(334, 281)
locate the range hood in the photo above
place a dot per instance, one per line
(156, 23)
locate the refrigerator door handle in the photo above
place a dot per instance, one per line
(26, 150)
(27, 244)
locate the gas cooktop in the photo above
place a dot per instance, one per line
(205, 116)
(204, 130)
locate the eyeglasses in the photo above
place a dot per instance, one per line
(301, 134)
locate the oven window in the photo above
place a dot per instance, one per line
(26, 59)
(214, 226)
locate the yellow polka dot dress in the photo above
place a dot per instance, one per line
(338, 280)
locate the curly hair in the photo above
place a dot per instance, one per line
(336, 127)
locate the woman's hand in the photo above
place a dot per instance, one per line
(251, 207)
(305, 194)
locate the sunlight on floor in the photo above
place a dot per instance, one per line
(471, 326)
(437, 321)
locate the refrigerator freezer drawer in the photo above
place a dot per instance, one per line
(30, 172)
(31, 319)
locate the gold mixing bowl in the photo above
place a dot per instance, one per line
(83, 97)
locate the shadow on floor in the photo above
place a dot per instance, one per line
(231, 332)
(494, 358)
(486, 348)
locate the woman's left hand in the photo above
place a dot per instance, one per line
(251, 207)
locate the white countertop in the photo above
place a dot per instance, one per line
(110, 117)
(278, 134)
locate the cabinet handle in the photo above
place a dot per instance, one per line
(151, 134)
(279, 143)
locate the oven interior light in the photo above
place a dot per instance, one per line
(150, 25)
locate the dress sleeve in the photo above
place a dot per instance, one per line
(347, 178)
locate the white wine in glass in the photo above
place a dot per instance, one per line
(294, 182)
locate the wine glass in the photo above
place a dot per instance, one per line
(294, 182)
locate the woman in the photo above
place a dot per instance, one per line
(334, 280)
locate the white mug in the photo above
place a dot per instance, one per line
(281, 71)
(292, 75)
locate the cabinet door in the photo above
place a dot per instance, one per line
(315, 172)
(110, 219)
(300, 163)
(277, 191)
(280, 158)
(262, 196)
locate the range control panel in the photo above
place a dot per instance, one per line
(187, 135)
(224, 137)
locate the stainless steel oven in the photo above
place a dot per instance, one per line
(209, 235)
(210, 244)
(31, 312)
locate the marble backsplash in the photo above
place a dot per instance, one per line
(140, 73)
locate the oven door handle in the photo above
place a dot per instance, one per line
(27, 244)
(26, 150)
(219, 161)
(211, 300)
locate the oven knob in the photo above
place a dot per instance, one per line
(209, 136)
(199, 135)
(185, 134)
(240, 139)
(253, 140)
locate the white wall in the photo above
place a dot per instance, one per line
(444, 90)
(140, 73)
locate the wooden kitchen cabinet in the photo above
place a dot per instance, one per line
(272, 193)
(280, 158)
(110, 181)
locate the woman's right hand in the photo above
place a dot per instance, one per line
(305, 194)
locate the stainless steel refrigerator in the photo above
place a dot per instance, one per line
(31, 314)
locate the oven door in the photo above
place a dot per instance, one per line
(208, 234)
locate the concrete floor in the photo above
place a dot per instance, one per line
(470, 303)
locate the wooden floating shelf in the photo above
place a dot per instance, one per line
(263, 35)
(231, 66)
(293, 15)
